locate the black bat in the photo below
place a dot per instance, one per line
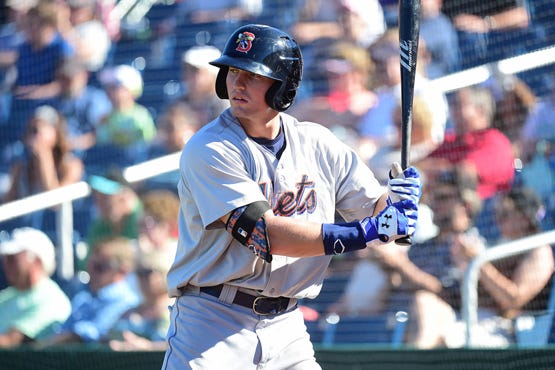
(409, 31)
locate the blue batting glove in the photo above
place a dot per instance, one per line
(404, 185)
(395, 221)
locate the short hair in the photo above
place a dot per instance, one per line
(161, 204)
(120, 250)
(482, 98)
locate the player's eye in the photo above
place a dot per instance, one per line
(233, 70)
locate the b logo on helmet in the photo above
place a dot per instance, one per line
(244, 41)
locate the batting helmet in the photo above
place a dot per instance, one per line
(265, 51)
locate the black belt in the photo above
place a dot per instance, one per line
(260, 305)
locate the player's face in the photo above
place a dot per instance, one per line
(247, 93)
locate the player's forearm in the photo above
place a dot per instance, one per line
(294, 238)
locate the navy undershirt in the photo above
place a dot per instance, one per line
(276, 145)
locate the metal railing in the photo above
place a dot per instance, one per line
(470, 281)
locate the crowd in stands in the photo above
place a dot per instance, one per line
(84, 94)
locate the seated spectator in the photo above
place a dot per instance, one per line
(129, 127)
(106, 297)
(82, 104)
(347, 98)
(38, 58)
(118, 209)
(489, 31)
(440, 39)
(476, 142)
(158, 222)
(425, 272)
(320, 23)
(144, 327)
(47, 164)
(422, 140)
(377, 127)
(33, 306)
(89, 35)
(198, 79)
(361, 22)
(514, 102)
(176, 125)
(484, 150)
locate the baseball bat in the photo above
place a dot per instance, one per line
(409, 32)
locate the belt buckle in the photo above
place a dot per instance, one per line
(273, 311)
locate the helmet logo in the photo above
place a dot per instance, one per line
(244, 41)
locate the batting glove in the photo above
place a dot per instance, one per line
(395, 221)
(404, 185)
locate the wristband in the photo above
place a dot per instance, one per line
(342, 238)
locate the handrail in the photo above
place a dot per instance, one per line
(470, 282)
(64, 197)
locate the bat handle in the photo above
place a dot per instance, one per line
(397, 170)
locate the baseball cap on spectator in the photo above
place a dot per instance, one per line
(125, 76)
(34, 241)
(110, 183)
(200, 56)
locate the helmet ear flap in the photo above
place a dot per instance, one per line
(279, 96)
(221, 88)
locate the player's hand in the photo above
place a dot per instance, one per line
(404, 185)
(395, 221)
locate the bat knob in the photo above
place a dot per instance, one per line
(405, 241)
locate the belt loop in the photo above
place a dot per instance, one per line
(228, 294)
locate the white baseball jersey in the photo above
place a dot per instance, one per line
(221, 169)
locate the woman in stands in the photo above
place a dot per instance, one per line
(47, 162)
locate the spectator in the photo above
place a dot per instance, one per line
(377, 127)
(538, 139)
(422, 140)
(82, 104)
(509, 286)
(49, 163)
(144, 327)
(33, 306)
(440, 39)
(424, 280)
(361, 22)
(11, 36)
(476, 142)
(129, 127)
(514, 102)
(107, 296)
(539, 126)
(347, 98)
(89, 37)
(176, 125)
(38, 58)
(118, 208)
(321, 23)
(489, 31)
(158, 223)
(222, 15)
(484, 150)
(198, 79)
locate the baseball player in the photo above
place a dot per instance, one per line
(259, 192)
